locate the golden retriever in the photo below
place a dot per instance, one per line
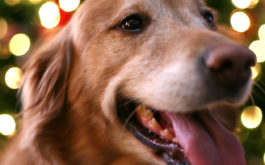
(133, 82)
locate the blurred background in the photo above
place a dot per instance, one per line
(23, 22)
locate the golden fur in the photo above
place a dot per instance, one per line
(71, 83)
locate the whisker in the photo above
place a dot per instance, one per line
(127, 121)
(129, 117)
(261, 82)
(252, 100)
(128, 102)
(260, 88)
(257, 95)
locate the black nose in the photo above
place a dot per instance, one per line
(230, 64)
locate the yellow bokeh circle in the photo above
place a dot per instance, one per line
(3, 27)
(240, 21)
(264, 158)
(256, 70)
(12, 2)
(258, 47)
(19, 44)
(34, 1)
(242, 4)
(261, 32)
(69, 5)
(7, 125)
(13, 77)
(251, 117)
(49, 15)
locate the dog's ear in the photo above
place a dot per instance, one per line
(44, 94)
(44, 88)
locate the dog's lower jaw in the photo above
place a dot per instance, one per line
(135, 160)
(188, 128)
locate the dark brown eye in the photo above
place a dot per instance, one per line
(208, 16)
(133, 23)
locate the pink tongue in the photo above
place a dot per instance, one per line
(210, 144)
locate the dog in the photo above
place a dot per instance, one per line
(133, 82)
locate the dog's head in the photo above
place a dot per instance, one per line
(154, 67)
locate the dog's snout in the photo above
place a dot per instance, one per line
(230, 64)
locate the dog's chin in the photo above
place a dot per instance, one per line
(175, 138)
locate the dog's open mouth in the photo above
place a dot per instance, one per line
(153, 129)
(181, 139)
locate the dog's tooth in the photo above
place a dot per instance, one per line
(166, 133)
(144, 112)
(176, 140)
(155, 124)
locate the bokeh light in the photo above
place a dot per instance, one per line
(19, 44)
(242, 4)
(34, 1)
(253, 3)
(49, 15)
(3, 27)
(7, 125)
(264, 158)
(13, 77)
(240, 21)
(4, 52)
(251, 117)
(258, 47)
(262, 32)
(69, 5)
(256, 70)
(12, 2)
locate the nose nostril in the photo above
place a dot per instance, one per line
(230, 65)
(227, 64)
(247, 66)
(251, 62)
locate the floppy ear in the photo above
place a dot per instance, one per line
(46, 77)
(44, 87)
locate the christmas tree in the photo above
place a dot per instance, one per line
(23, 22)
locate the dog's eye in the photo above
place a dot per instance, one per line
(133, 23)
(208, 16)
